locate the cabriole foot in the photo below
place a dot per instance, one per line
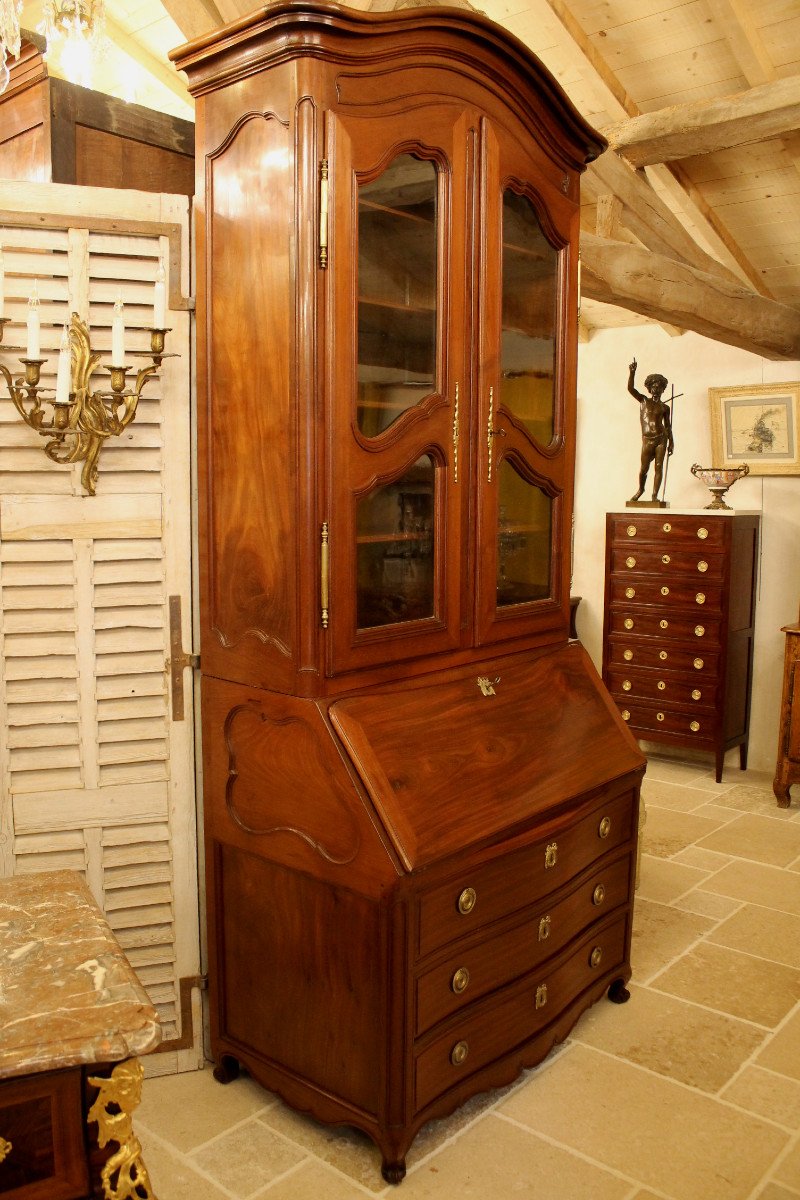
(394, 1172)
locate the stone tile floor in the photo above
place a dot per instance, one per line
(691, 1091)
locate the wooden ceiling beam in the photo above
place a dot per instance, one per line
(769, 110)
(194, 17)
(665, 290)
(161, 71)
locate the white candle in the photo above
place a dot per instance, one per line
(2, 285)
(118, 335)
(64, 369)
(33, 325)
(160, 299)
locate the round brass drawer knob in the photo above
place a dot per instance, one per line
(466, 901)
(702, 566)
(662, 687)
(694, 726)
(604, 828)
(630, 593)
(699, 630)
(665, 558)
(698, 664)
(627, 655)
(665, 590)
(662, 654)
(659, 716)
(460, 981)
(700, 598)
(626, 685)
(663, 624)
(459, 1053)
(631, 531)
(696, 694)
(628, 623)
(630, 561)
(599, 894)
(626, 716)
(596, 957)
(666, 527)
(702, 533)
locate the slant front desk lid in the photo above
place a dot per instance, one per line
(477, 756)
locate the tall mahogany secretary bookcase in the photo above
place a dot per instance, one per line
(420, 802)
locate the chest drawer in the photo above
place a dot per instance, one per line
(666, 563)
(481, 967)
(497, 889)
(682, 627)
(516, 1014)
(699, 662)
(678, 593)
(657, 720)
(662, 687)
(682, 531)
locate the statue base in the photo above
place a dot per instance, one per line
(647, 503)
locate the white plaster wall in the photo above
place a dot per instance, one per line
(608, 449)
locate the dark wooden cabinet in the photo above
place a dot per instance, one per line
(679, 616)
(421, 804)
(787, 769)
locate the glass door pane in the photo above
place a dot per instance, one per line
(524, 527)
(530, 265)
(397, 272)
(396, 549)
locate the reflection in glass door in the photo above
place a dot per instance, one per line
(524, 528)
(397, 270)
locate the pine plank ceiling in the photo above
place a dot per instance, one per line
(692, 218)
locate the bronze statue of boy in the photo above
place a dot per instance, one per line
(654, 415)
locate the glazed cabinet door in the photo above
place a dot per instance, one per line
(526, 290)
(397, 287)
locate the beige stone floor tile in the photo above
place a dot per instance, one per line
(348, 1150)
(707, 905)
(660, 934)
(774, 1191)
(663, 880)
(754, 800)
(767, 1095)
(675, 770)
(677, 796)
(186, 1110)
(788, 1169)
(311, 1181)
(731, 982)
(715, 812)
(761, 931)
(667, 832)
(782, 1051)
(500, 1160)
(704, 860)
(248, 1157)
(669, 1137)
(171, 1176)
(755, 837)
(757, 883)
(697, 1047)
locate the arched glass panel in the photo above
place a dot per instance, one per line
(395, 549)
(397, 249)
(530, 265)
(524, 528)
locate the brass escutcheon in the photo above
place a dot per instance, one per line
(700, 598)
(699, 630)
(698, 664)
(466, 901)
(662, 654)
(666, 527)
(459, 1053)
(630, 593)
(630, 562)
(460, 980)
(599, 894)
(631, 531)
(626, 716)
(663, 624)
(604, 828)
(665, 590)
(696, 694)
(694, 726)
(702, 566)
(544, 929)
(662, 687)
(596, 957)
(628, 623)
(665, 558)
(627, 655)
(659, 716)
(551, 855)
(626, 685)
(541, 995)
(702, 533)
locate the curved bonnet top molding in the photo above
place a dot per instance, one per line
(277, 32)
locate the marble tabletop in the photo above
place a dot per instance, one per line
(68, 994)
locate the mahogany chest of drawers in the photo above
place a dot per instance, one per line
(680, 595)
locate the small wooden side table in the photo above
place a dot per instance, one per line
(73, 1019)
(787, 770)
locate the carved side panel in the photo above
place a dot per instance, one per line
(250, 433)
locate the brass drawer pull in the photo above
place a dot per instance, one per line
(626, 685)
(466, 901)
(544, 929)
(659, 716)
(459, 1053)
(695, 726)
(662, 654)
(599, 894)
(630, 593)
(700, 598)
(702, 533)
(666, 527)
(541, 995)
(661, 685)
(702, 566)
(630, 562)
(699, 630)
(596, 957)
(665, 590)
(628, 623)
(551, 855)
(604, 828)
(460, 981)
(665, 558)
(698, 664)
(663, 624)
(626, 716)
(696, 694)
(631, 531)
(627, 655)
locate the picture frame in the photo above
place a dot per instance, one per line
(758, 425)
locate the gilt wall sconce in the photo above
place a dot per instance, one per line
(77, 421)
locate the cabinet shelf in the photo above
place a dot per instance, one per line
(372, 539)
(403, 213)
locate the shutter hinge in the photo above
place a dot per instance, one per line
(185, 1039)
(323, 213)
(178, 659)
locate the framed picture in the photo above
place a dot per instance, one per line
(756, 425)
